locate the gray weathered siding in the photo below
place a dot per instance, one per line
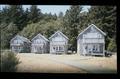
(17, 44)
(39, 45)
(57, 43)
(91, 42)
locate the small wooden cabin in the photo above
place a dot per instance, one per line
(91, 41)
(58, 43)
(39, 44)
(20, 44)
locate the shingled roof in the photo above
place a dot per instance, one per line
(22, 38)
(59, 33)
(39, 35)
(92, 25)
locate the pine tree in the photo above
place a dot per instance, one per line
(35, 14)
(4, 15)
(16, 15)
(105, 18)
(7, 33)
(71, 23)
(60, 16)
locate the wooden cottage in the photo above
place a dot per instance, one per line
(58, 43)
(91, 41)
(20, 44)
(39, 44)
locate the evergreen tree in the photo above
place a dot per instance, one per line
(4, 15)
(13, 19)
(16, 15)
(84, 21)
(105, 18)
(55, 17)
(60, 16)
(71, 21)
(7, 34)
(35, 14)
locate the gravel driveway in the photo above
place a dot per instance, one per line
(40, 63)
(50, 63)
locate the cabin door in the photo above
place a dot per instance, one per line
(39, 49)
(85, 48)
(90, 48)
(54, 49)
(59, 48)
(94, 48)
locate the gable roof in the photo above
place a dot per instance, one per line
(21, 37)
(59, 33)
(89, 27)
(39, 35)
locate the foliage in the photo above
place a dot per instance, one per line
(7, 33)
(105, 18)
(34, 14)
(43, 27)
(14, 19)
(9, 61)
(71, 23)
(112, 45)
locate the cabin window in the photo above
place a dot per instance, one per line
(37, 41)
(16, 41)
(57, 48)
(54, 48)
(20, 48)
(94, 48)
(99, 36)
(40, 48)
(89, 50)
(83, 36)
(60, 48)
(86, 47)
(17, 48)
(92, 30)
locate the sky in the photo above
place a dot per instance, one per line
(54, 8)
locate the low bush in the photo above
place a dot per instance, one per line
(112, 46)
(9, 61)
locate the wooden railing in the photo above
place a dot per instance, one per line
(93, 40)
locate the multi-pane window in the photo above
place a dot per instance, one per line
(40, 48)
(38, 41)
(58, 48)
(61, 48)
(54, 48)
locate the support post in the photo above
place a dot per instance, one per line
(104, 49)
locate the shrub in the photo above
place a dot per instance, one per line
(112, 46)
(9, 61)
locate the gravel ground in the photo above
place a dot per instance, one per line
(50, 63)
(39, 63)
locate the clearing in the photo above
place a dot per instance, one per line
(74, 63)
